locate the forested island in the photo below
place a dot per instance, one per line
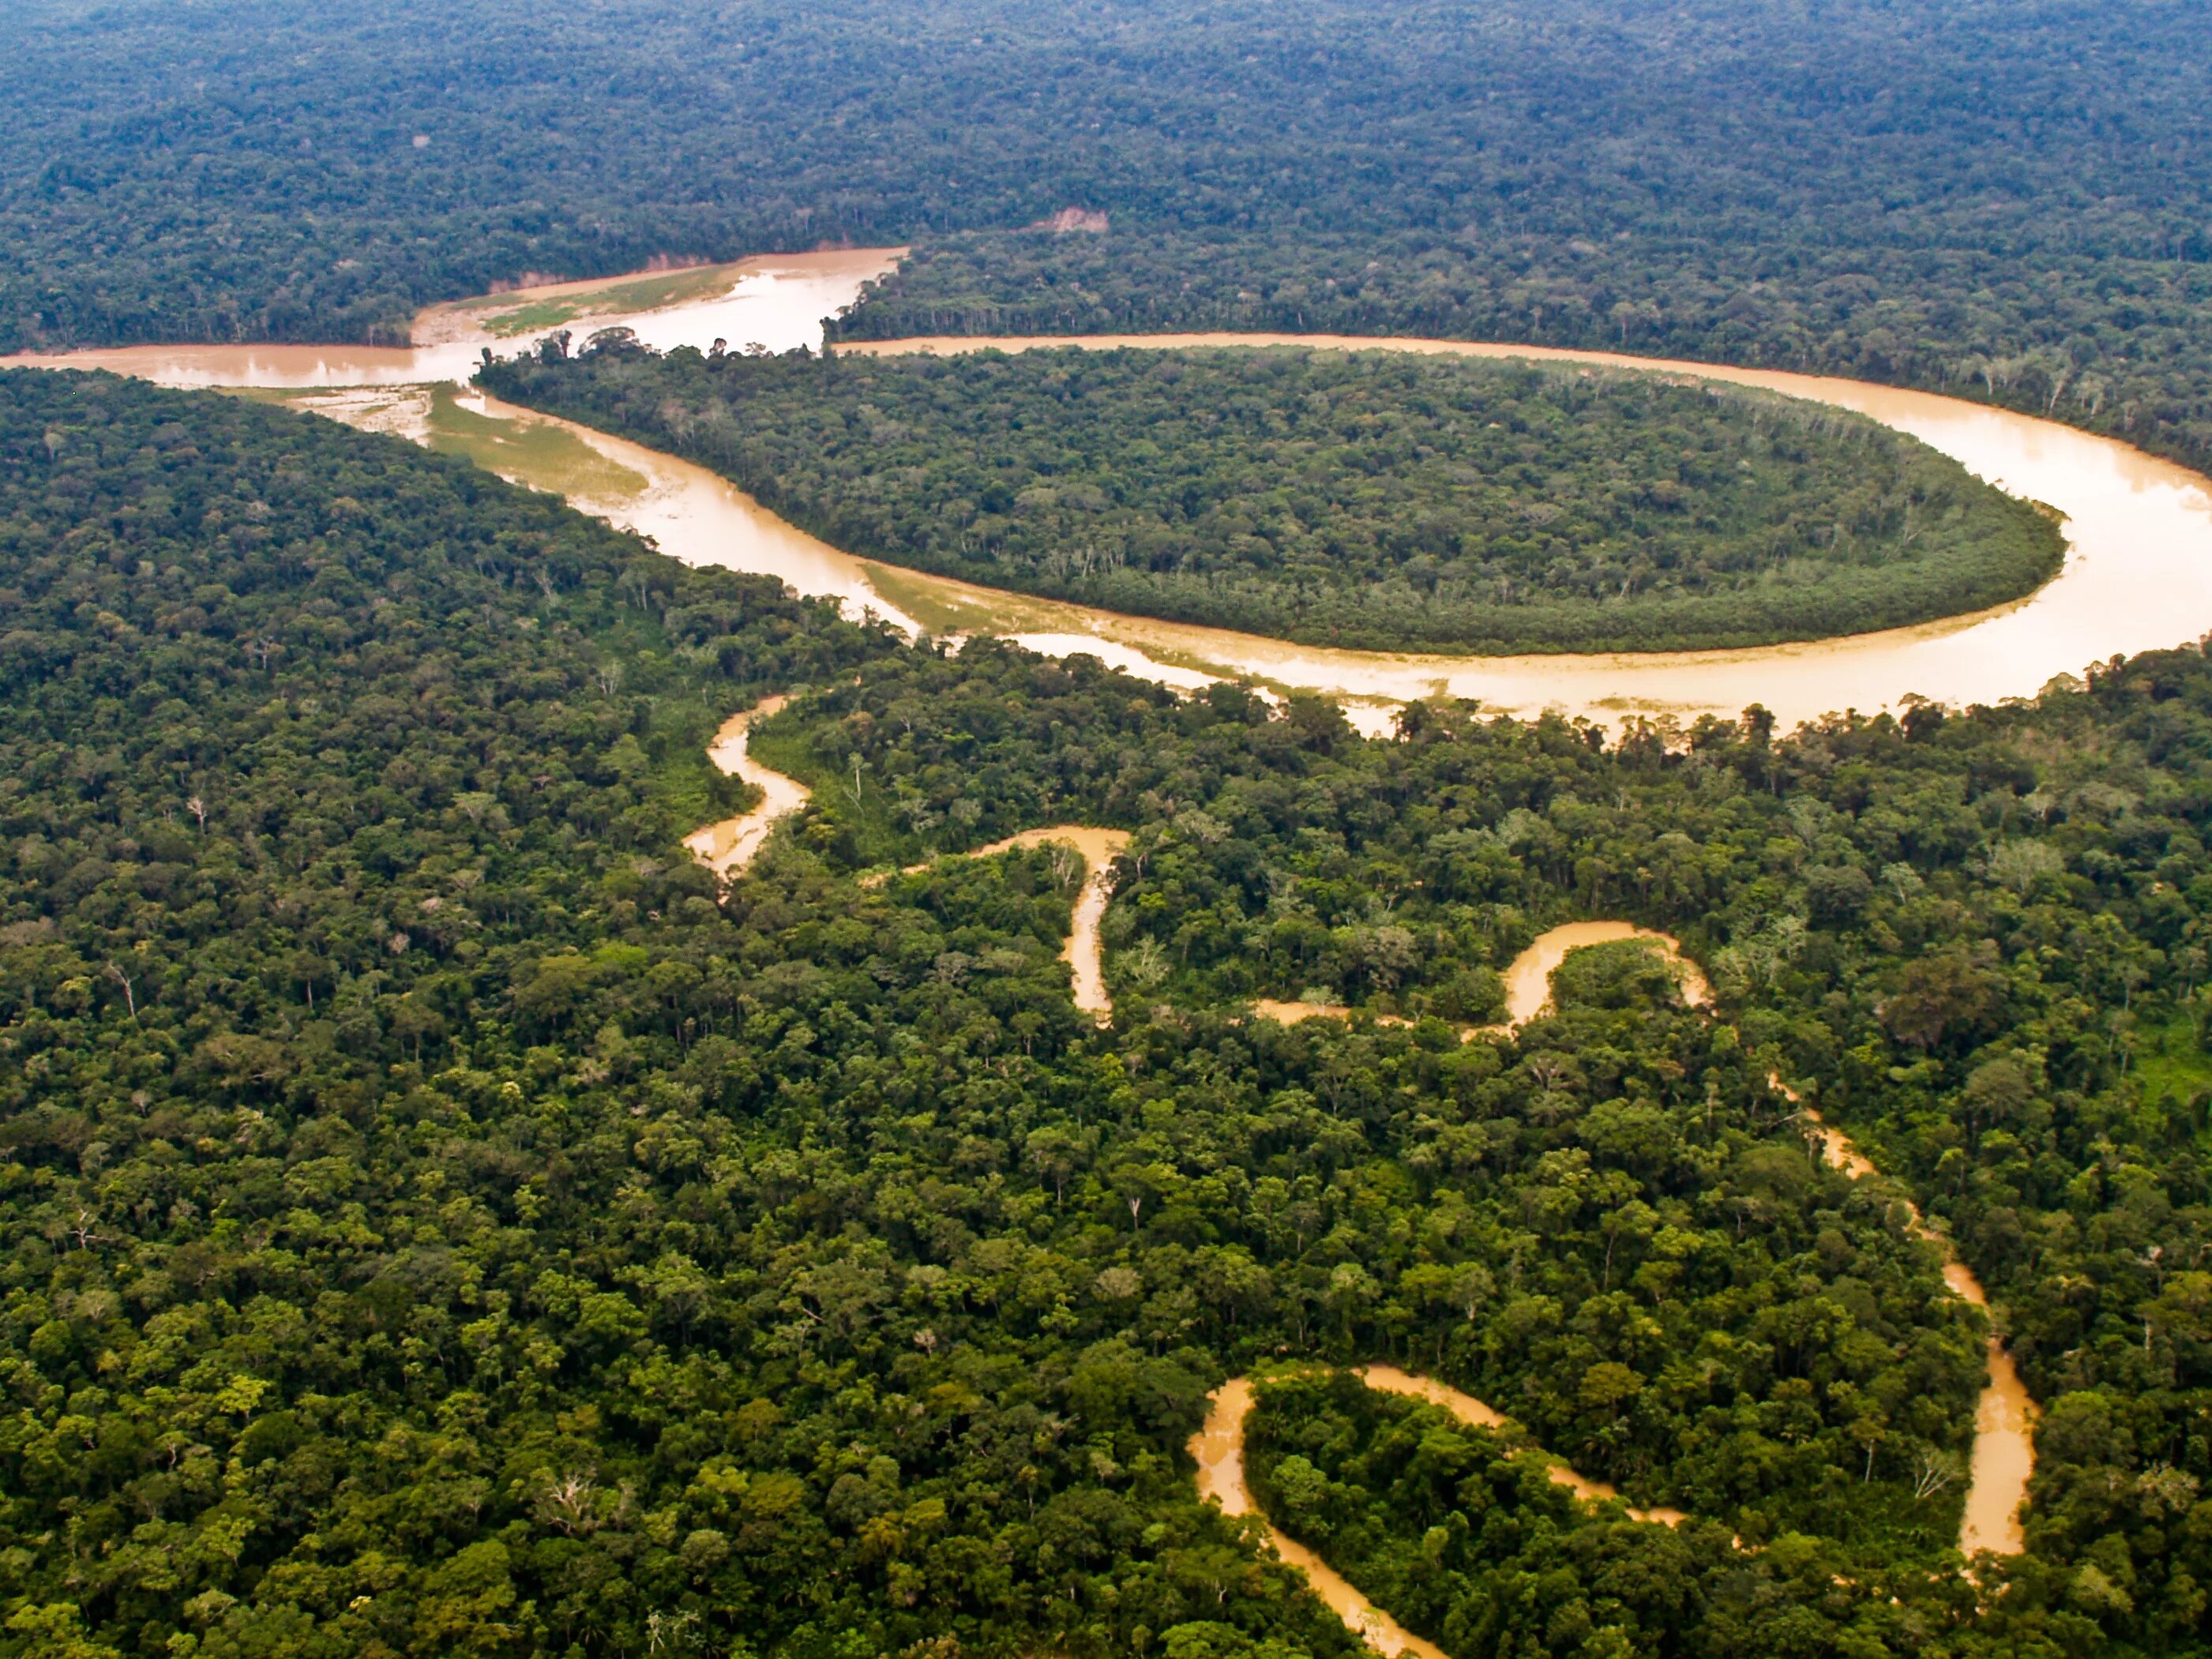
(438, 1219)
(1370, 500)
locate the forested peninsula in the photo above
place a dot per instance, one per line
(1368, 500)
(440, 1218)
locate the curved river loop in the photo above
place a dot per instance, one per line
(2137, 576)
(2003, 1457)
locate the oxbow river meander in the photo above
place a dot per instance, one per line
(2138, 574)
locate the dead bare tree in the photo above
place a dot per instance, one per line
(1933, 1471)
(129, 992)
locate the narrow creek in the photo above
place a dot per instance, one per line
(1217, 1448)
(1084, 953)
(2003, 1460)
(2005, 1414)
(1528, 978)
(2003, 1456)
(728, 847)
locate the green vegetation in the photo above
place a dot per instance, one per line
(1628, 976)
(540, 454)
(1998, 200)
(2172, 1065)
(1475, 1547)
(1370, 499)
(1949, 932)
(2110, 340)
(510, 315)
(436, 1221)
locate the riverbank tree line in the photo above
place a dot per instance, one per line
(1998, 201)
(1364, 500)
(439, 1220)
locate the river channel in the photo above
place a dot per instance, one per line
(2137, 576)
(775, 300)
(2003, 1456)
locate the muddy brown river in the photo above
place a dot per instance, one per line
(2137, 576)
(777, 300)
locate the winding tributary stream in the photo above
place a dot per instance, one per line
(1084, 953)
(2002, 1461)
(728, 847)
(1528, 978)
(2003, 1456)
(1217, 1448)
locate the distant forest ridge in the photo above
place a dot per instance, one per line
(2007, 201)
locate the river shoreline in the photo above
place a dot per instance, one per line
(2137, 575)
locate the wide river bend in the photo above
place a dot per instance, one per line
(2137, 576)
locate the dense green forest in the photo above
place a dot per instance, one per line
(2005, 200)
(438, 1221)
(1978, 940)
(1370, 500)
(438, 1218)
(1475, 1548)
(2112, 343)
